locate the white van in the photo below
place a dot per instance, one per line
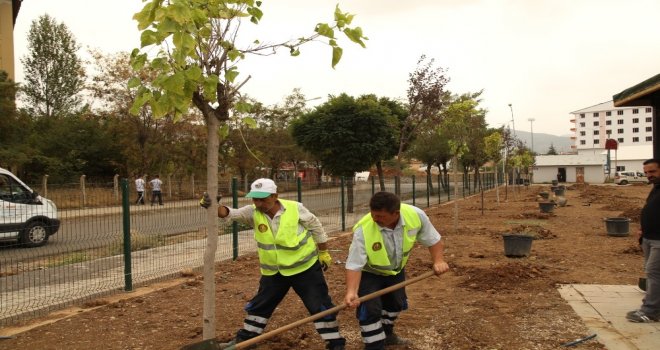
(25, 216)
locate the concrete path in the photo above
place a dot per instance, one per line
(603, 309)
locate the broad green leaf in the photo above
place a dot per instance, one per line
(250, 122)
(336, 55)
(234, 54)
(168, 26)
(223, 131)
(355, 35)
(210, 86)
(174, 83)
(147, 38)
(146, 16)
(294, 51)
(134, 82)
(243, 107)
(231, 74)
(325, 30)
(193, 73)
(138, 60)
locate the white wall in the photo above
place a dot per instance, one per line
(592, 173)
(631, 165)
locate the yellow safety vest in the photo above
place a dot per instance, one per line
(377, 259)
(289, 252)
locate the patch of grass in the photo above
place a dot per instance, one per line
(68, 259)
(139, 241)
(525, 222)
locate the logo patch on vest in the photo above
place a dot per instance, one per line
(376, 246)
(262, 228)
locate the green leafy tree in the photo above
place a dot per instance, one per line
(346, 135)
(432, 148)
(198, 66)
(493, 146)
(54, 75)
(552, 151)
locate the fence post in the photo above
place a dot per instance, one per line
(413, 189)
(428, 190)
(299, 188)
(373, 185)
(169, 186)
(397, 185)
(82, 188)
(234, 224)
(115, 186)
(126, 218)
(439, 188)
(192, 192)
(343, 206)
(44, 182)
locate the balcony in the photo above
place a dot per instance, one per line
(572, 120)
(573, 137)
(572, 129)
(573, 146)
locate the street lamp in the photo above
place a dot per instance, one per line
(513, 122)
(531, 129)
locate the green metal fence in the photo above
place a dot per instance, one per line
(107, 243)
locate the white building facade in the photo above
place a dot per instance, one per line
(629, 126)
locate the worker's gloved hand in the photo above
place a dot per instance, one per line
(325, 259)
(205, 202)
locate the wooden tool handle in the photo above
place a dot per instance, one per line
(331, 311)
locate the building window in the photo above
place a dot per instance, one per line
(619, 112)
(635, 110)
(595, 123)
(583, 133)
(635, 130)
(581, 115)
(620, 121)
(649, 109)
(596, 142)
(619, 131)
(596, 114)
(583, 142)
(621, 168)
(608, 113)
(582, 125)
(608, 132)
(635, 120)
(596, 132)
(635, 139)
(649, 119)
(608, 122)
(649, 128)
(649, 138)
(620, 139)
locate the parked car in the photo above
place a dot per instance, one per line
(25, 216)
(626, 177)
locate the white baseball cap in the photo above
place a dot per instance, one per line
(262, 188)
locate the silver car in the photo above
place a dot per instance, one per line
(626, 177)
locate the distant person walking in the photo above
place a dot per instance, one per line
(139, 187)
(649, 238)
(155, 190)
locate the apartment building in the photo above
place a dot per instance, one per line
(629, 126)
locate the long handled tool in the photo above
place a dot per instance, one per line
(211, 344)
(331, 311)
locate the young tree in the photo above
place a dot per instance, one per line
(552, 151)
(198, 65)
(346, 135)
(426, 99)
(493, 149)
(53, 72)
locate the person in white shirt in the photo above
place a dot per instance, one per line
(139, 187)
(155, 190)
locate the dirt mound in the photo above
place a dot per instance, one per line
(499, 277)
(633, 249)
(532, 215)
(537, 231)
(633, 213)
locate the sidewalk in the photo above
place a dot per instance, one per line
(603, 309)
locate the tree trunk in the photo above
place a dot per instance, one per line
(429, 180)
(349, 194)
(381, 176)
(208, 317)
(455, 162)
(497, 185)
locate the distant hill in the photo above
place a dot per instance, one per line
(542, 141)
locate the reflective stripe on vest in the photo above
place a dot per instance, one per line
(377, 259)
(289, 252)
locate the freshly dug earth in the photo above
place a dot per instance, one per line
(486, 301)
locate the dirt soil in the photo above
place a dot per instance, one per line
(486, 301)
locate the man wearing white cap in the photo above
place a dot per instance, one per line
(288, 259)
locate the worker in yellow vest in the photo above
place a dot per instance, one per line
(382, 243)
(292, 249)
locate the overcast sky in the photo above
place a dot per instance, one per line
(545, 57)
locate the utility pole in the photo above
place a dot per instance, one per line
(531, 129)
(513, 122)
